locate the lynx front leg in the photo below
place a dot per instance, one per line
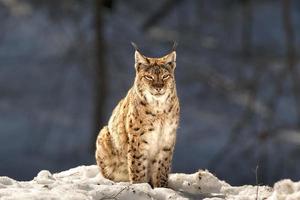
(105, 154)
(161, 168)
(137, 161)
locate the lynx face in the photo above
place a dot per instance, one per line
(155, 76)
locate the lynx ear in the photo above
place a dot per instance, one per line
(171, 57)
(139, 58)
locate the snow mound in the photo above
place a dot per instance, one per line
(86, 183)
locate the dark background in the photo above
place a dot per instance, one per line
(64, 65)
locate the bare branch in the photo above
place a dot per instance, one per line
(256, 179)
(114, 197)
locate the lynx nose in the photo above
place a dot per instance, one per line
(158, 89)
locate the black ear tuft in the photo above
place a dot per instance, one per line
(135, 46)
(175, 44)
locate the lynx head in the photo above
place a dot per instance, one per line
(155, 76)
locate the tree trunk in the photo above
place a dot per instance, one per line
(100, 84)
(247, 27)
(291, 53)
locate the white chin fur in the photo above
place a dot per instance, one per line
(151, 98)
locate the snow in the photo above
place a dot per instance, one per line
(85, 182)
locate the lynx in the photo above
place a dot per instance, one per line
(138, 143)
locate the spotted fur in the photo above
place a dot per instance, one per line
(138, 143)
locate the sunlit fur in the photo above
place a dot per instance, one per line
(138, 143)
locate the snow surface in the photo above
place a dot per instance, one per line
(85, 182)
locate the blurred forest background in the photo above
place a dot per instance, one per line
(64, 65)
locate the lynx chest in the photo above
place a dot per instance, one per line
(163, 136)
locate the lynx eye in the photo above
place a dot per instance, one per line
(150, 78)
(166, 76)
